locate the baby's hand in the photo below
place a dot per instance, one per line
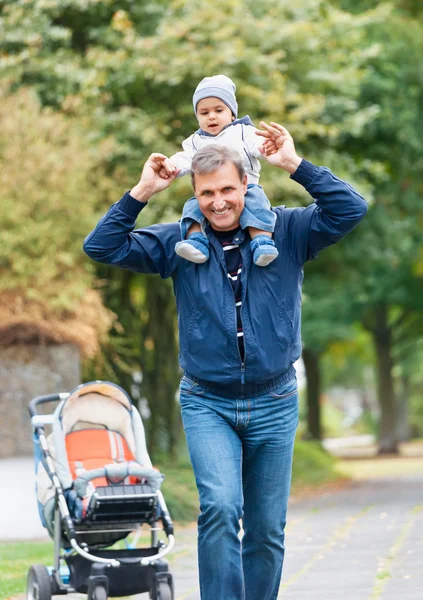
(167, 169)
(163, 173)
(274, 135)
(269, 147)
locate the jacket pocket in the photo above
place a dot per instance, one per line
(285, 395)
(286, 316)
(193, 320)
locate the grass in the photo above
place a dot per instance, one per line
(15, 560)
(373, 468)
(179, 490)
(312, 467)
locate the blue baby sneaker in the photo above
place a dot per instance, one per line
(264, 250)
(194, 249)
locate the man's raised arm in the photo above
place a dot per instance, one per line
(337, 206)
(149, 250)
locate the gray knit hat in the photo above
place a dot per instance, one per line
(218, 86)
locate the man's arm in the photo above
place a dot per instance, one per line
(337, 207)
(149, 250)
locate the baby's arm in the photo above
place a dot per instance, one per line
(255, 145)
(252, 141)
(182, 160)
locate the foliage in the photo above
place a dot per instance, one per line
(346, 362)
(375, 276)
(312, 465)
(179, 488)
(46, 207)
(300, 64)
(390, 302)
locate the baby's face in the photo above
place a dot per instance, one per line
(213, 115)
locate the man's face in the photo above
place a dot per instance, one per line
(221, 196)
(213, 115)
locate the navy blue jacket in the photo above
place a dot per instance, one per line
(271, 303)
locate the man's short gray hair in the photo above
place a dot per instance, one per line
(212, 157)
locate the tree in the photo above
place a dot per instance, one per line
(391, 301)
(326, 320)
(131, 76)
(46, 285)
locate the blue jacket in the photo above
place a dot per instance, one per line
(271, 303)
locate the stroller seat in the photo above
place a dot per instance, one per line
(108, 498)
(89, 449)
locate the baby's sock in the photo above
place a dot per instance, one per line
(264, 250)
(195, 248)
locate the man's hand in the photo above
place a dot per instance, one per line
(278, 148)
(151, 182)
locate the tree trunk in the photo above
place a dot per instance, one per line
(312, 368)
(382, 337)
(159, 363)
(146, 310)
(403, 428)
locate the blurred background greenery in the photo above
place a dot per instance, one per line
(89, 88)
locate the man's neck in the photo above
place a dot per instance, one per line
(225, 234)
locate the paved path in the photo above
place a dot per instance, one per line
(364, 542)
(19, 518)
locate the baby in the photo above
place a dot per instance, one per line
(216, 109)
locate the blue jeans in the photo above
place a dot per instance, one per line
(257, 212)
(241, 452)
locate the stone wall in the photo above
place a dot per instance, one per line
(27, 371)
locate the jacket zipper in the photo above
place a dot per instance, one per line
(223, 265)
(237, 343)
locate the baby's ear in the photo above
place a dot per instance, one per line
(233, 117)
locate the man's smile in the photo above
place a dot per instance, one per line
(221, 212)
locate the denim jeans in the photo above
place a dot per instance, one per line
(257, 212)
(241, 452)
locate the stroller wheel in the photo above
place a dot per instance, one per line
(164, 591)
(99, 593)
(38, 586)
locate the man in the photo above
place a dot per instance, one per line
(239, 335)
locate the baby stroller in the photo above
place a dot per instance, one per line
(95, 485)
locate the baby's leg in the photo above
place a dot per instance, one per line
(262, 246)
(194, 245)
(258, 217)
(254, 232)
(194, 228)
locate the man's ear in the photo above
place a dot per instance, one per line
(245, 183)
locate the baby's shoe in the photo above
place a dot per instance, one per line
(264, 250)
(194, 249)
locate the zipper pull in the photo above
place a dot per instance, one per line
(242, 373)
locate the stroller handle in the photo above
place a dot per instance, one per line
(35, 402)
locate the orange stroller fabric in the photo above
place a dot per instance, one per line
(89, 449)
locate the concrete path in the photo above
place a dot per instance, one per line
(364, 542)
(19, 518)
